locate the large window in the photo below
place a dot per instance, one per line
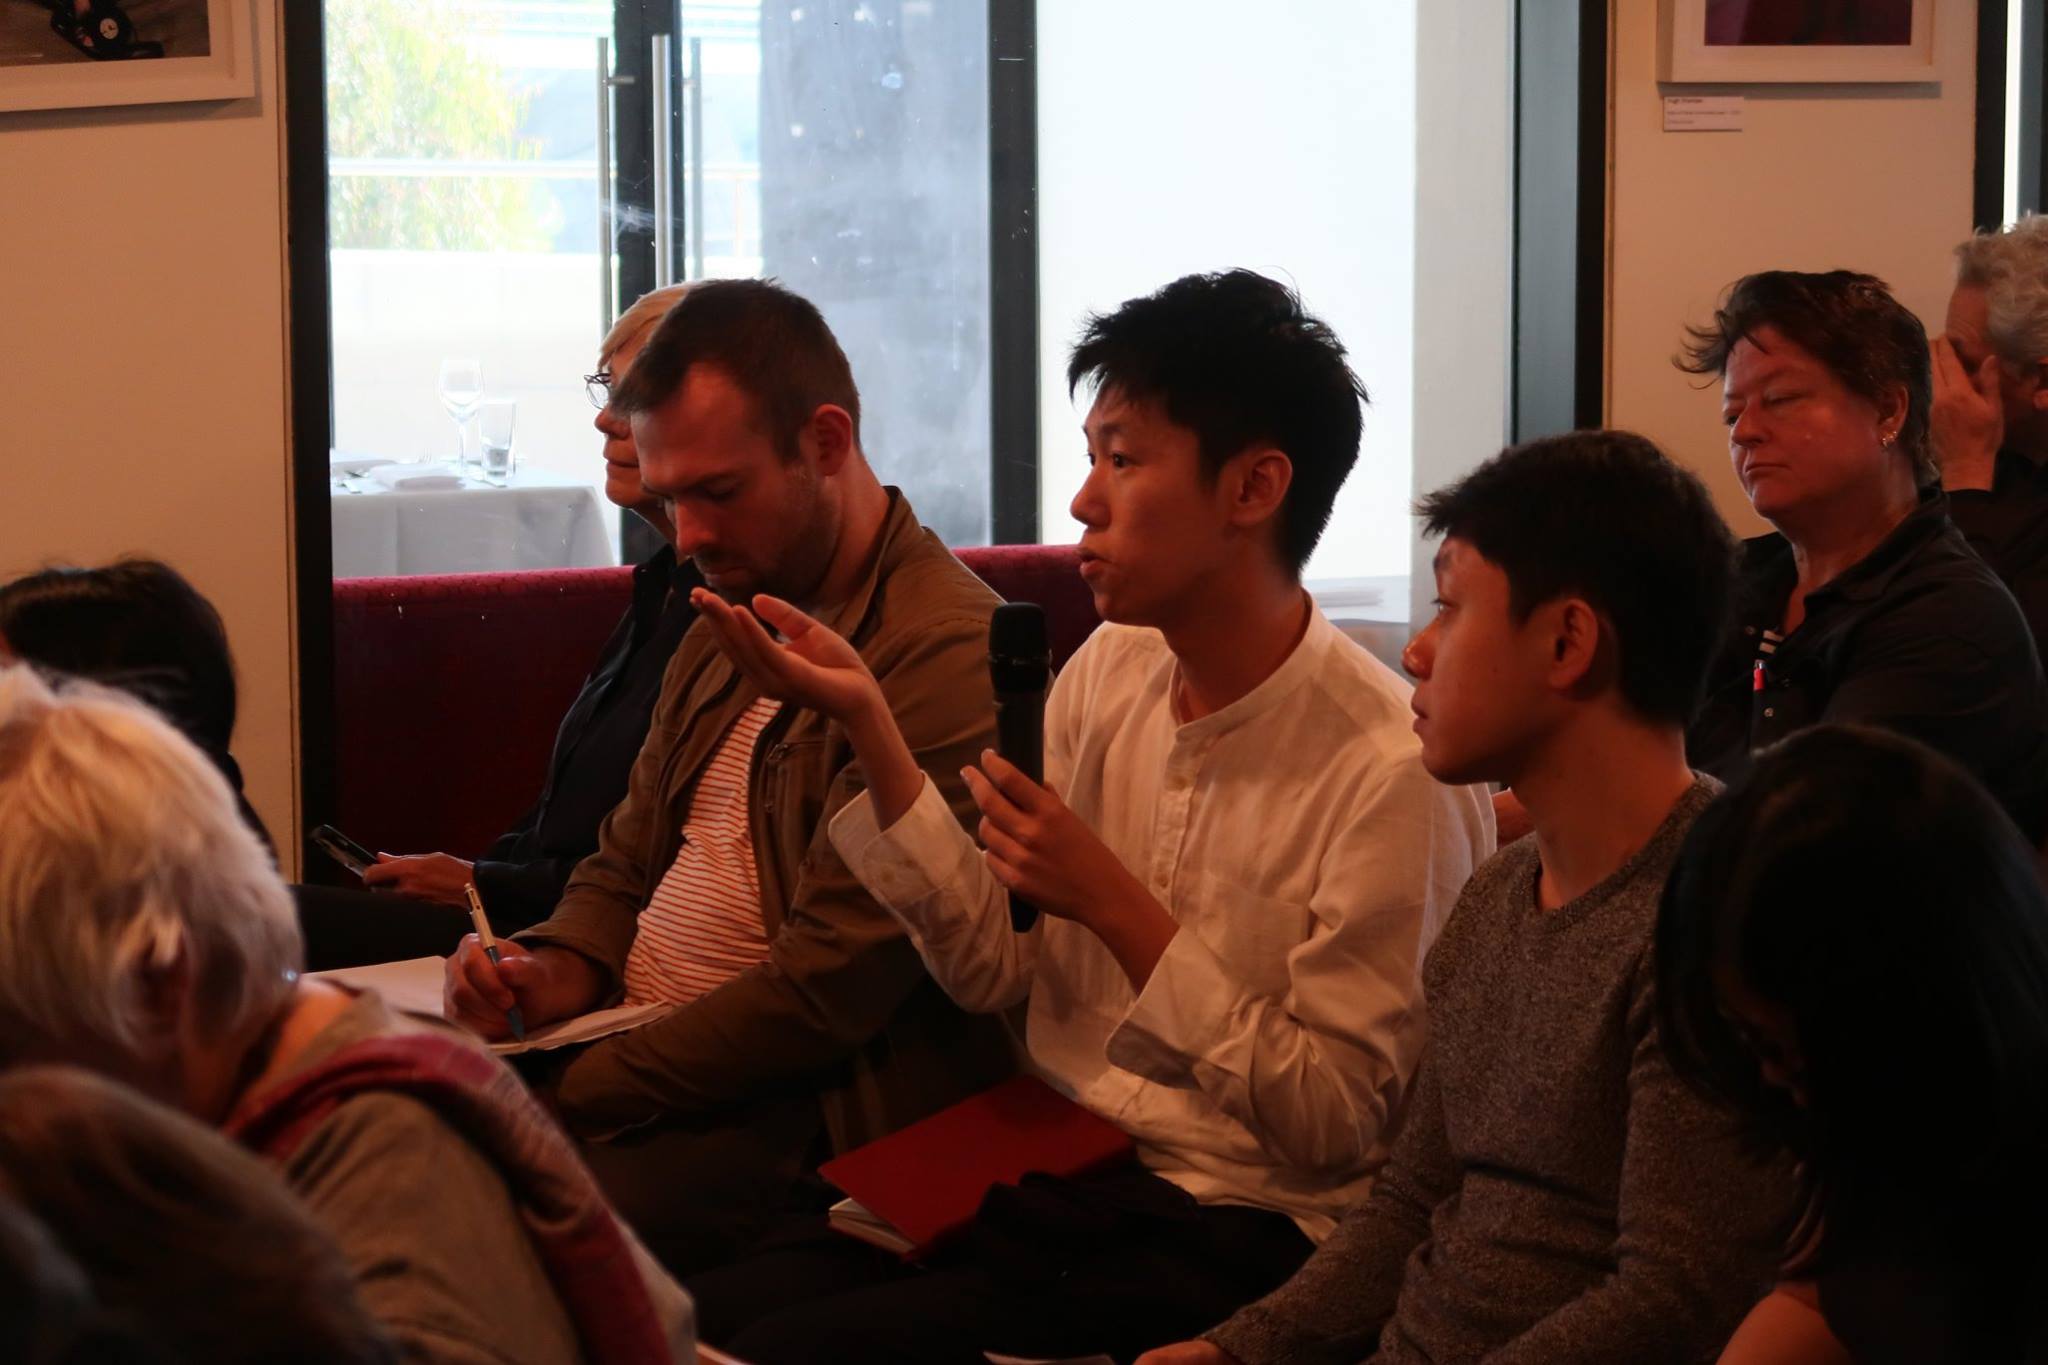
(506, 174)
(1185, 135)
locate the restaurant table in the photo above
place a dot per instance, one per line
(437, 524)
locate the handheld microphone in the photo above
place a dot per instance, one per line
(1020, 666)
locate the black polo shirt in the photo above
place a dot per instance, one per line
(2007, 524)
(1919, 637)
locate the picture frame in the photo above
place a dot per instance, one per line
(211, 56)
(1803, 41)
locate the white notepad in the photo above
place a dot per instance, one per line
(414, 986)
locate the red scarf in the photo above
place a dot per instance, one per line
(574, 1231)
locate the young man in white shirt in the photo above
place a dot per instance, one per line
(1238, 854)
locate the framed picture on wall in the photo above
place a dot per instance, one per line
(72, 54)
(1799, 40)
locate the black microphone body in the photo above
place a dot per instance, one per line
(1020, 666)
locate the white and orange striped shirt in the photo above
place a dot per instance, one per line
(702, 927)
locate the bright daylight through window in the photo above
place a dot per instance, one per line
(497, 196)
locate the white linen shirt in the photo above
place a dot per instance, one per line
(1309, 861)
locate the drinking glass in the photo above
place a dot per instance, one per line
(494, 434)
(461, 388)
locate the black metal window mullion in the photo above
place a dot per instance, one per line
(2033, 149)
(1013, 271)
(1996, 35)
(1558, 351)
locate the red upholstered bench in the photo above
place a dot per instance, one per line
(448, 687)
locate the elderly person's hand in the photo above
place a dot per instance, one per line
(1967, 421)
(436, 877)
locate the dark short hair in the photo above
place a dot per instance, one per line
(1871, 890)
(1850, 323)
(182, 1235)
(1235, 358)
(1605, 516)
(135, 624)
(773, 343)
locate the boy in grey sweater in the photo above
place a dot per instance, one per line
(1556, 1194)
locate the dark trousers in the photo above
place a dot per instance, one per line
(347, 926)
(1113, 1264)
(702, 1189)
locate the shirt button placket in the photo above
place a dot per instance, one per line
(1170, 829)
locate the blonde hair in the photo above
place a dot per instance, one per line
(650, 308)
(121, 850)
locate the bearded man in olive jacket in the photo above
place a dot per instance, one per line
(803, 1022)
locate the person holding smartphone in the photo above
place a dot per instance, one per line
(419, 909)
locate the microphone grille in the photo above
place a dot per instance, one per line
(1020, 656)
(1018, 630)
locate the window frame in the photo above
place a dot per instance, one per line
(1995, 38)
(1557, 279)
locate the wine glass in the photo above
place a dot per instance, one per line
(461, 389)
(494, 435)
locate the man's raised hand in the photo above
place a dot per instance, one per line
(1966, 423)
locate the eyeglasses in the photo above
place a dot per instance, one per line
(599, 387)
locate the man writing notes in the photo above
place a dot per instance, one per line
(803, 1021)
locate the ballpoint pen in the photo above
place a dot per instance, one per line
(483, 933)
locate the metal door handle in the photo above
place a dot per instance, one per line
(693, 208)
(607, 192)
(664, 161)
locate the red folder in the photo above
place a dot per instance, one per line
(912, 1190)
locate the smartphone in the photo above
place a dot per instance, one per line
(343, 849)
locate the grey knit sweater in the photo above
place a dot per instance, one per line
(1555, 1194)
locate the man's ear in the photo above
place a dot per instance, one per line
(830, 433)
(2036, 376)
(1257, 481)
(1581, 647)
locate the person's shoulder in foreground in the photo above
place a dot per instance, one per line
(426, 1218)
(1852, 869)
(175, 971)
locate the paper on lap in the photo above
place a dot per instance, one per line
(414, 986)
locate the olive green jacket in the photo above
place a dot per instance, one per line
(842, 1005)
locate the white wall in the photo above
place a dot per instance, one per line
(1872, 178)
(143, 402)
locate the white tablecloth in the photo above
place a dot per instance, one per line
(534, 522)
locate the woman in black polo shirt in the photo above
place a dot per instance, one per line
(1867, 605)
